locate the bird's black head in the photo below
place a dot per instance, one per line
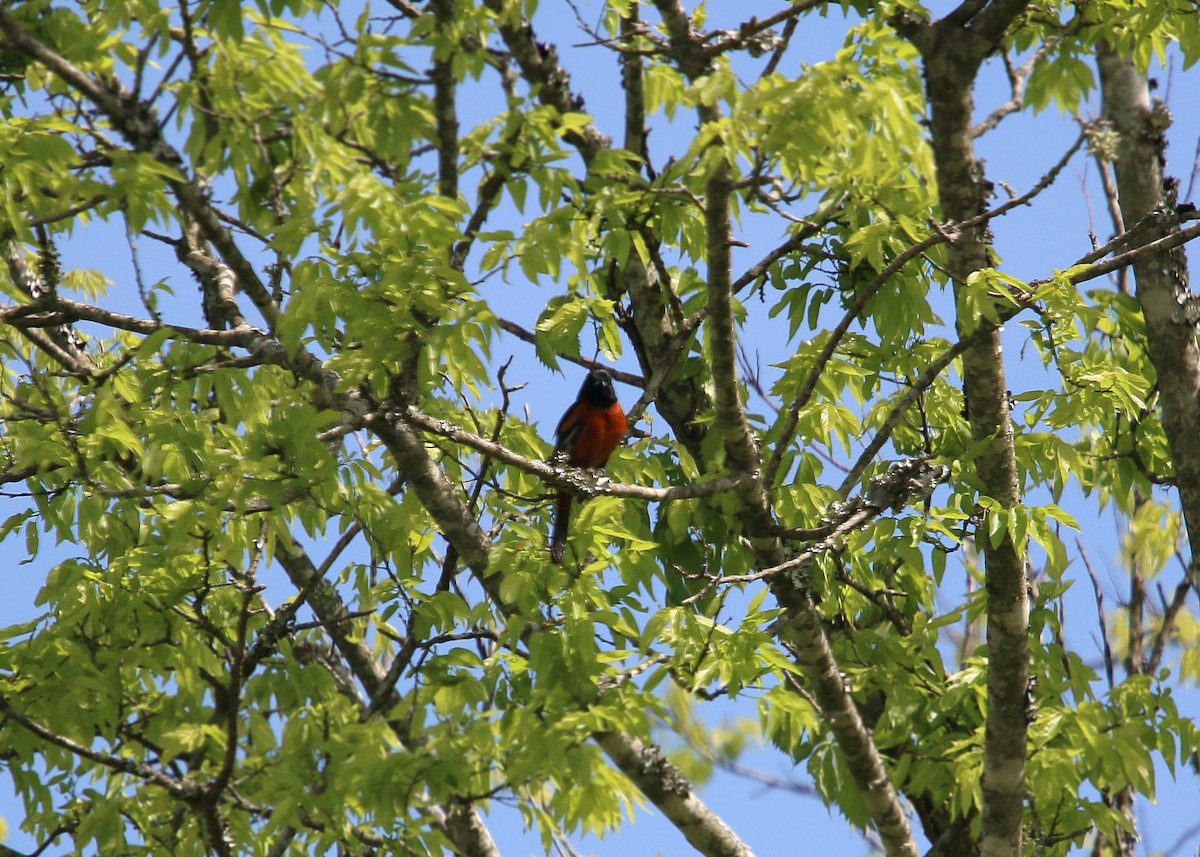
(598, 389)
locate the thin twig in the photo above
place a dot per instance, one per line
(1108, 655)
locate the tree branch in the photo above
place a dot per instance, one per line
(668, 789)
(952, 51)
(539, 65)
(572, 478)
(470, 838)
(181, 789)
(141, 128)
(903, 482)
(1162, 277)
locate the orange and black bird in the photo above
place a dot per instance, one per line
(587, 434)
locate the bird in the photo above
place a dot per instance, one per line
(586, 436)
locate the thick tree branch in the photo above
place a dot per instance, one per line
(1161, 280)
(63, 311)
(1173, 239)
(1161, 276)
(445, 89)
(540, 67)
(669, 790)
(633, 75)
(952, 51)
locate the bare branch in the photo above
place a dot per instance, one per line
(1017, 78)
(1099, 593)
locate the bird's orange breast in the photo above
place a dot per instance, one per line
(600, 431)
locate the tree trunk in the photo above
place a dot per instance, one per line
(952, 51)
(1146, 200)
(1147, 203)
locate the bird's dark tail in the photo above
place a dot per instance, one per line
(562, 518)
